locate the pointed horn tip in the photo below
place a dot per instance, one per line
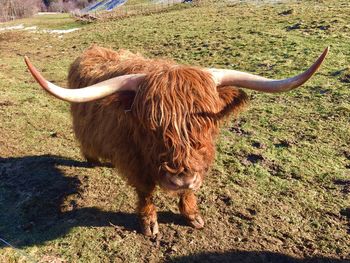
(36, 74)
(26, 60)
(326, 51)
(320, 60)
(29, 64)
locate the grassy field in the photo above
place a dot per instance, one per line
(279, 190)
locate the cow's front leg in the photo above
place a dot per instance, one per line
(148, 213)
(188, 208)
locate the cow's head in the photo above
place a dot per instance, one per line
(179, 107)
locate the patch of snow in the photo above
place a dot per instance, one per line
(34, 29)
(47, 13)
(30, 28)
(104, 5)
(18, 27)
(59, 31)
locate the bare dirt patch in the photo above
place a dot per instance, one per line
(6, 103)
(10, 37)
(343, 75)
(344, 184)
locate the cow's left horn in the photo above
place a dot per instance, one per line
(90, 93)
(226, 77)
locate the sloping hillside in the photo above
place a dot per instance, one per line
(279, 190)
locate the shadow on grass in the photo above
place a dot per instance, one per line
(34, 207)
(248, 257)
(33, 196)
(33, 191)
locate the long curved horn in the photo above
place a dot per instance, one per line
(225, 77)
(90, 93)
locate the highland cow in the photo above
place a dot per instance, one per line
(154, 120)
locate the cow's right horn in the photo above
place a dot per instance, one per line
(227, 77)
(90, 93)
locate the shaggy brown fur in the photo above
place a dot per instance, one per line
(167, 128)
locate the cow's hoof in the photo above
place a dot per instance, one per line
(196, 221)
(149, 227)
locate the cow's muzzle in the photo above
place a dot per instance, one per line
(181, 182)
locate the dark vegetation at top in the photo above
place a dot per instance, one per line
(13, 9)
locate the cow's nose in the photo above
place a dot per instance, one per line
(182, 181)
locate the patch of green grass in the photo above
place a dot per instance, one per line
(280, 182)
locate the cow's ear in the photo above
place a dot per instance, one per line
(233, 100)
(123, 99)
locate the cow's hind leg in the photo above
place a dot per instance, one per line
(188, 208)
(148, 213)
